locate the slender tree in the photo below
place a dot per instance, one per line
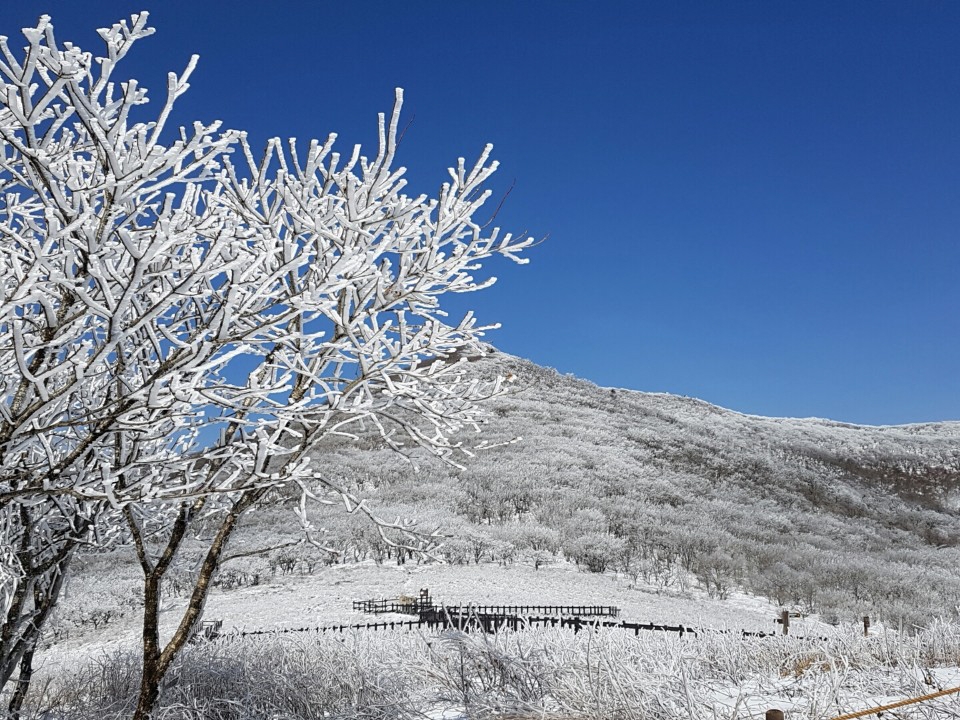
(41, 538)
(182, 324)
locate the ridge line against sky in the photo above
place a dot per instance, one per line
(751, 203)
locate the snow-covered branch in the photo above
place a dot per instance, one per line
(183, 322)
(165, 305)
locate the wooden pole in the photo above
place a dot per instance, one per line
(774, 714)
(866, 625)
(785, 621)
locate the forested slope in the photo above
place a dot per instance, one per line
(820, 515)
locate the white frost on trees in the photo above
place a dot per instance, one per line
(183, 321)
(189, 317)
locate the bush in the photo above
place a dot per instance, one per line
(242, 679)
(596, 551)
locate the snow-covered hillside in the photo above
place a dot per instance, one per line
(672, 509)
(655, 493)
(831, 517)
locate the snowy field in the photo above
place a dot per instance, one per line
(326, 597)
(534, 673)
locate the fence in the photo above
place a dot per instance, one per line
(529, 610)
(401, 625)
(493, 623)
(379, 607)
(417, 607)
(490, 618)
(469, 621)
(207, 630)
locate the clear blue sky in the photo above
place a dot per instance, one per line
(754, 203)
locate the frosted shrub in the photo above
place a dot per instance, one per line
(593, 675)
(234, 679)
(595, 551)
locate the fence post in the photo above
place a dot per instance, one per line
(774, 714)
(785, 621)
(866, 625)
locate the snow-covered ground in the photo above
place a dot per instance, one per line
(721, 674)
(326, 597)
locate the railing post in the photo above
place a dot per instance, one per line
(774, 714)
(785, 621)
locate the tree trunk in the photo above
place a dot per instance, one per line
(150, 679)
(23, 681)
(45, 597)
(157, 663)
(21, 629)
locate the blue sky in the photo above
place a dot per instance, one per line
(754, 203)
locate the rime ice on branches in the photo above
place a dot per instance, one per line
(182, 318)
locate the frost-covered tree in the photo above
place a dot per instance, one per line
(39, 540)
(183, 320)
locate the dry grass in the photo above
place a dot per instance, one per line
(537, 674)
